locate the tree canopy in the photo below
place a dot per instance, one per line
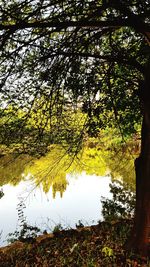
(90, 54)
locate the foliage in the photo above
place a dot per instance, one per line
(27, 234)
(32, 133)
(107, 251)
(70, 55)
(88, 56)
(57, 228)
(122, 204)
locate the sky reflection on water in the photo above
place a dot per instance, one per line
(80, 201)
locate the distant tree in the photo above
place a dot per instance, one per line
(95, 53)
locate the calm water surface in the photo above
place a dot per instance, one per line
(80, 201)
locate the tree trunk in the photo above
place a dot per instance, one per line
(140, 236)
(142, 212)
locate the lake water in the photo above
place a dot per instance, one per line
(58, 190)
(80, 201)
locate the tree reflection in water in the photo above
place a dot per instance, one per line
(51, 169)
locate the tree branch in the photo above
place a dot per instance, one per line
(134, 20)
(118, 22)
(110, 58)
